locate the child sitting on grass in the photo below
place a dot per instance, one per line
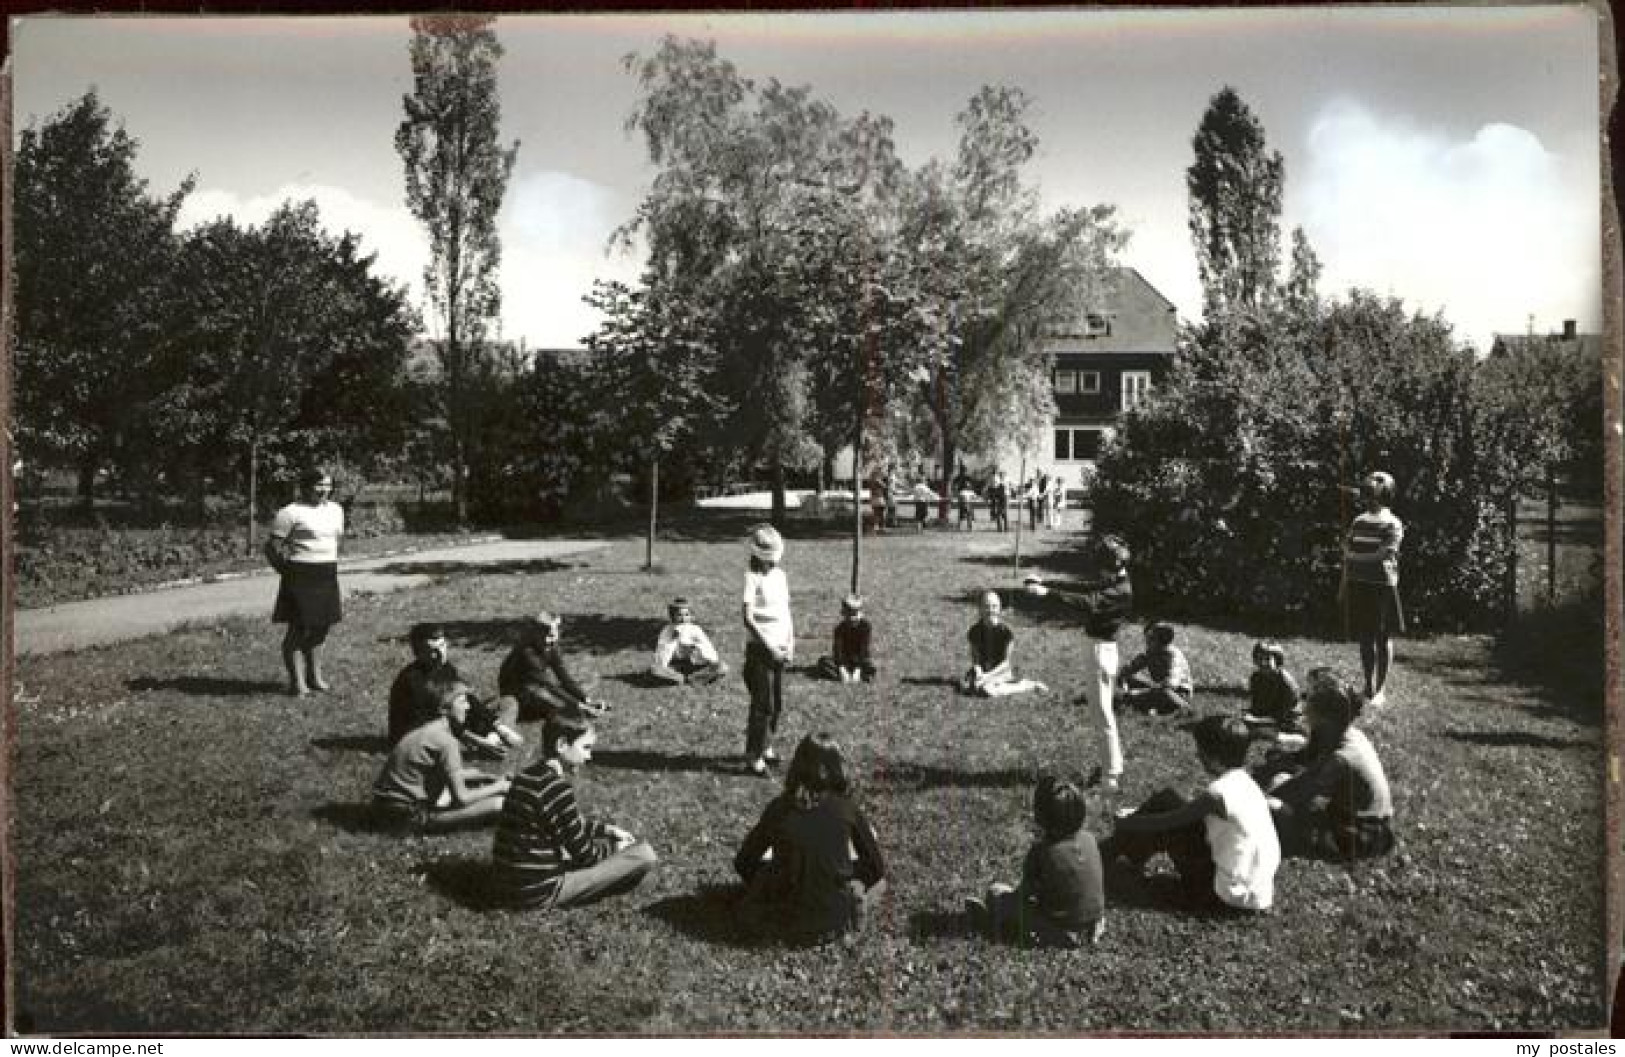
(1222, 841)
(546, 855)
(991, 643)
(1060, 900)
(811, 865)
(423, 784)
(410, 703)
(850, 659)
(1339, 802)
(1158, 681)
(684, 653)
(534, 674)
(1272, 693)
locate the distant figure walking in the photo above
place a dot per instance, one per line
(998, 502)
(304, 549)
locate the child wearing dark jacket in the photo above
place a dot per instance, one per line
(1106, 600)
(1061, 900)
(812, 867)
(851, 658)
(534, 674)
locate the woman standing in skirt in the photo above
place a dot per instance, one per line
(304, 549)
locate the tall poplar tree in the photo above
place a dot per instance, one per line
(456, 176)
(1235, 208)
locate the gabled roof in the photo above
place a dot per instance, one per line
(1140, 319)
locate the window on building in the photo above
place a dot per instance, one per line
(1063, 444)
(1135, 385)
(1066, 381)
(1086, 443)
(1088, 381)
(1097, 325)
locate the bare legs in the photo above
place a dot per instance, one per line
(302, 658)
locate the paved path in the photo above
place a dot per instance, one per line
(75, 625)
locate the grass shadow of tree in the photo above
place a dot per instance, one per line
(466, 881)
(357, 818)
(207, 685)
(592, 633)
(369, 744)
(941, 925)
(675, 763)
(901, 775)
(532, 566)
(710, 915)
(1510, 739)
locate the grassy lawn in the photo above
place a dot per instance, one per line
(192, 851)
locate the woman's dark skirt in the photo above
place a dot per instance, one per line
(308, 596)
(1374, 609)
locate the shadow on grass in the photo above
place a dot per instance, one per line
(1516, 739)
(941, 925)
(710, 915)
(468, 882)
(371, 744)
(208, 685)
(929, 680)
(646, 760)
(641, 681)
(583, 632)
(355, 818)
(449, 568)
(895, 774)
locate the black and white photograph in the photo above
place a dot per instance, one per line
(933, 522)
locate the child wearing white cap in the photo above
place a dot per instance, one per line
(770, 643)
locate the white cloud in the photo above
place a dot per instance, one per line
(1483, 228)
(554, 229)
(388, 231)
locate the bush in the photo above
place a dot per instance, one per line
(1233, 484)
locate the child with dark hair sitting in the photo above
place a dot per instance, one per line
(683, 652)
(1339, 802)
(1272, 693)
(1060, 900)
(811, 865)
(850, 660)
(547, 856)
(1222, 841)
(1158, 681)
(534, 674)
(410, 704)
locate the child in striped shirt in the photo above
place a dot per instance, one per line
(546, 854)
(1370, 588)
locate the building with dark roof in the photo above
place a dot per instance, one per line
(1125, 349)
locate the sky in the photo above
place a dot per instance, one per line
(1448, 156)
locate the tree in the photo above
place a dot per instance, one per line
(94, 251)
(456, 177)
(719, 223)
(996, 277)
(1538, 400)
(1235, 186)
(655, 369)
(290, 340)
